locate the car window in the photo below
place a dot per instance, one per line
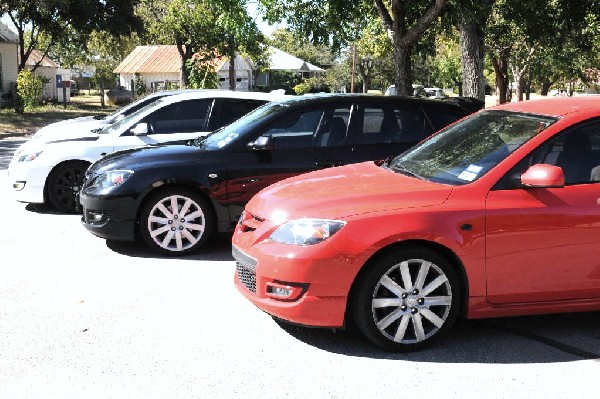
(192, 115)
(441, 118)
(235, 109)
(182, 117)
(324, 127)
(577, 152)
(393, 124)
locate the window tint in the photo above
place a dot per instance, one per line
(183, 117)
(310, 128)
(576, 151)
(235, 109)
(388, 124)
(442, 118)
(191, 115)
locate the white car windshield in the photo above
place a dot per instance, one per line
(130, 120)
(464, 152)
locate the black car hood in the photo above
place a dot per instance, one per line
(148, 157)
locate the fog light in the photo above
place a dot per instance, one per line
(95, 217)
(285, 291)
(19, 185)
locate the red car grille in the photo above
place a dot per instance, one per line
(245, 268)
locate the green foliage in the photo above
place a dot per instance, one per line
(284, 80)
(29, 88)
(202, 74)
(299, 46)
(139, 86)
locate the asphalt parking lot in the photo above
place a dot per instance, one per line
(83, 318)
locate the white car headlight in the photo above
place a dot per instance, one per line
(306, 231)
(29, 156)
(112, 178)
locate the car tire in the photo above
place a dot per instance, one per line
(174, 233)
(406, 299)
(64, 183)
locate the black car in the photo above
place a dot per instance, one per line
(177, 196)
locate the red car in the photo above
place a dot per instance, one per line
(496, 215)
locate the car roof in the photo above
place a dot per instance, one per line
(553, 106)
(199, 94)
(360, 97)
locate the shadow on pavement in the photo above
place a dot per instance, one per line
(513, 340)
(216, 249)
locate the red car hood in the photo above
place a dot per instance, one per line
(344, 191)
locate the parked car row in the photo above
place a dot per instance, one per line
(342, 214)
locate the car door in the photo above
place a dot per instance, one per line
(542, 243)
(388, 129)
(174, 122)
(302, 140)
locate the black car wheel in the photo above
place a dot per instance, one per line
(64, 184)
(176, 221)
(406, 299)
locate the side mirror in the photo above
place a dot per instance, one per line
(141, 129)
(263, 143)
(543, 176)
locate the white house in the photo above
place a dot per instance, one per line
(159, 66)
(8, 62)
(279, 60)
(53, 76)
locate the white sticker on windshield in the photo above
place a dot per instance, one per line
(474, 168)
(467, 176)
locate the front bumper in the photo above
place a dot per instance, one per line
(109, 218)
(319, 276)
(28, 180)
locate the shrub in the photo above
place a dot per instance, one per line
(29, 88)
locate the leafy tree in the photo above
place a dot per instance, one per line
(202, 73)
(30, 88)
(297, 45)
(40, 25)
(211, 28)
(338, 22)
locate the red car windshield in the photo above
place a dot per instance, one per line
(467, 150)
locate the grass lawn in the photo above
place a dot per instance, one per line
(31, 121)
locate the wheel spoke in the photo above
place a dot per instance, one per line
(389, 319)
(159, 231)
(195, 226)
(194, 215)
(164, 210)
(418, 326)
(178, 241)
(399, 336)
(190, 237)
(438, 301)
(406, 279)
(423, 270)
(434, 284)
(392, 286)
(174, 206)
(186, 207)
(165, 242)
(157, 219)
(432, 317)
(386, 302)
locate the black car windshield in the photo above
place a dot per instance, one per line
(467, 150)
(228, 134)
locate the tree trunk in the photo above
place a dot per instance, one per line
(472, 53)
(403, 71)
(546, 84)
(232, 81)
(186, 53)
(501, 70)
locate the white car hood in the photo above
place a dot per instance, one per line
(78, 127)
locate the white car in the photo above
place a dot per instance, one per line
(50, 168)
(435, 92)
(91, 123)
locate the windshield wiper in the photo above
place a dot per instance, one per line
(405, 171)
